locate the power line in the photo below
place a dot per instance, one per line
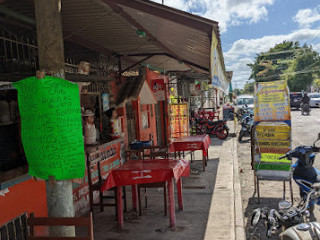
(189, 7)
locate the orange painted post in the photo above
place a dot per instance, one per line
(172, 215)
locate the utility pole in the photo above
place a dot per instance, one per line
(51, 60)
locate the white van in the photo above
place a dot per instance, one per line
(245, 100)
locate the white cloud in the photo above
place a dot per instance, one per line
(243, 51)
(306, 17)
(226, 12)
(316, 47)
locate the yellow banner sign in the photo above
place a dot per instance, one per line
(272, 138)
(272, 102)
(274, 144)
(276, 131)
(179, 120)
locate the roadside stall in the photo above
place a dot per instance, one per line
(104, 145)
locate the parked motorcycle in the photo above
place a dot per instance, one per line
(294, 221)
(242, 112)
(304, 174)
(305, 108)
(289, 217)
(217, 128)
(247, 123)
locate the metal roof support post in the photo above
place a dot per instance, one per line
(51, 60)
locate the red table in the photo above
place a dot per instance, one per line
(137, 172)
(192, 143)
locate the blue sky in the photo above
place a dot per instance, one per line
(249, 27)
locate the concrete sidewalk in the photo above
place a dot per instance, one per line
(226, 215)
(212, 204)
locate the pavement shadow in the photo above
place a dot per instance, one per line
(243, 141)
(216, 141)
(191, 223)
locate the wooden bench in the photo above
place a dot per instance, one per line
(59, 221)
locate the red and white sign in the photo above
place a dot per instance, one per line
(158, 89)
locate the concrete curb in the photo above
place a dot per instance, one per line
(238, 210)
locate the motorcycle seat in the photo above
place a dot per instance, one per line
(216, 122)
(316, 185)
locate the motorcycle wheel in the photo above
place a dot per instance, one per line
(222, 132)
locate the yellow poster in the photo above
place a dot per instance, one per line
(179, 120)
(273, 135)
(273, 131)
(272, 101)
(272, 140)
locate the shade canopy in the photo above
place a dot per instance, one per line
(138, 31)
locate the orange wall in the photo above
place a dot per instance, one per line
(28, 196)
(165, 122)
(152, 130)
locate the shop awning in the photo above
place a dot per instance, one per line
(139, 31)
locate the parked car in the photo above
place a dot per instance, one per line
(295, 98)
(314, 99)
(245, 101)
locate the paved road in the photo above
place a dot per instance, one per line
(305, 128)
(304, 131)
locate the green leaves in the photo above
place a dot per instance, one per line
(298, 65)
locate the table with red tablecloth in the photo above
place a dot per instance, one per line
(192, 143)
(136, 172)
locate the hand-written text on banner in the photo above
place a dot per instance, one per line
(273, 140)
(51, 128)
(272, 101)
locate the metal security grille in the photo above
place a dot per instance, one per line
(97, 88)
(16, 229)
(17, 54)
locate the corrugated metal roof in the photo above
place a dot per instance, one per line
(188, 43)
(111, 26)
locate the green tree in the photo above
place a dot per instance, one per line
(316, 83)
(270, 65)
(303, 69)
(287, 60)
(237, 91)
(249, 88)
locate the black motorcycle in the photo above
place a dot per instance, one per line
(305, 108)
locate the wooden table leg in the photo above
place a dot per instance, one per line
(134, 196)
(179, 192)
(172, 215)
(119, 207)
